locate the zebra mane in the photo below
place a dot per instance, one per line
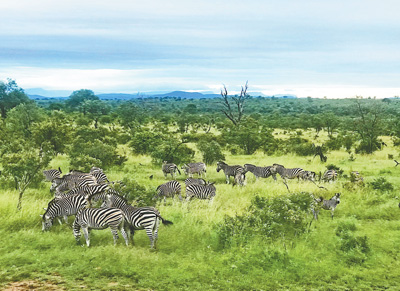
(278, 165)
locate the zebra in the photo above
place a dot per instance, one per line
(259, 172)
(235, 171)
(200, 191)
(195, 168)
(99, 175)
(70, 181)
(169, 189)
(52, 174)
(138, 218)
(307, 176)
(329, 176)
(83, 190)
(62, 208)
(191, 181)
(326, 204)
(169, 169)
(356, 177)
(287, 173)
(99, 218)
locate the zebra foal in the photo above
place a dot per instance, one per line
(99, 218)
(194, 168)
(326, 205)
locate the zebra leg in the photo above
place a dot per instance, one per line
(77, 232)
(149, 231)
(59, 220)
(114, 231)
(86, 234)
(155, 235)
(332, 213)
(124, 235)
(227, 179)
(66, 219)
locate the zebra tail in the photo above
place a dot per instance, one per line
(164, 221)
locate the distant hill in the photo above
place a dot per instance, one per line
(44, 94)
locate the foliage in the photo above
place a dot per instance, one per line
(381, 184)
(10, 96)
(172, 151)
(138, 195)
(299, 146)
(211, 152)
(77, 98)
(280, 217)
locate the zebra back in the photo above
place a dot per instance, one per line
(51, 174)
(287, 173)
(259, 172)
(190, 181)
(329, 175)
(200, 191)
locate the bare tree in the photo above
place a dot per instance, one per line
(234, 105)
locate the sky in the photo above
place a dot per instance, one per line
(316, 48)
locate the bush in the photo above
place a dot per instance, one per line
(211, 152)
(138, 195)
(381, 184)
(272, 218)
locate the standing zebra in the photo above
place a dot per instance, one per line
(236, 171)
(99, 175)
(287, 173)
(169, 169)
(51, 174)
(191, 181)
(194, 168)
(169, 189)
(138, 218)
(259, 172)
(99, 218)
(200, 191)
(329, 176)
(62, 208)
(326, 204)
(70, 181)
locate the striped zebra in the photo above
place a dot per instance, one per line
(200, 191)
(147, 218)
(99, 175)
(99, 218)
(83, 190)
(287, 173)
(192, 181)
(170, 168)
(307, 176)
(195, 168)
(259, 172)
(62, 208)
(169, 189)
(329, 176)
(326, 204)
(236, 171)
(70, 181)
(51, 174)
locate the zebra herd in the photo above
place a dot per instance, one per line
(76, 191)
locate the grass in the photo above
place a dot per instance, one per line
(189, 256)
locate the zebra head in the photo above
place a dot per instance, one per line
(220, 166)
(336, 198)
(55, 183)
(47, 222)
(276, 168)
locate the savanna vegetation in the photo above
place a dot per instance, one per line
(254, 237)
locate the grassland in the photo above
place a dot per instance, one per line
(189, 256)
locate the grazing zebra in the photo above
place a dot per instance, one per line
(99, 218)
(192, 181)
(327, 204)
(329, 176)
(200, 191)
(99, 175)
(51, 174)
(236, 171)
(169, 189)
(307, 176)
(287, 173)
(259, 172)
(83, 190)
(169, 169)
(356, 177)
(70, 181)
(62, 208)
(138, 218)
(194, 168)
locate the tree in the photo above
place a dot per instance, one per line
(211, 151)
(95, 109)
(78, 97)
(368, 124)
(11, 96)
(234, 110)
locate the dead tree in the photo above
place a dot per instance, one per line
(234, 110)
(318, 151)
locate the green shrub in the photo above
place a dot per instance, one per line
(381, 184)
(211, 152)
(272, 218)
(138, 195)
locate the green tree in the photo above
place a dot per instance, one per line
(78, 97)
(211, 151)
(11, 96)
(95, 109)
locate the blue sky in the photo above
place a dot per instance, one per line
(307, 48)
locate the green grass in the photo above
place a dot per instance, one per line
(189, 256)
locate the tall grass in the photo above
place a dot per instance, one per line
(358, 249)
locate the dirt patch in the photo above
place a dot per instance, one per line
(32, 285)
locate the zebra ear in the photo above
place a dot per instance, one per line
(59, 169)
